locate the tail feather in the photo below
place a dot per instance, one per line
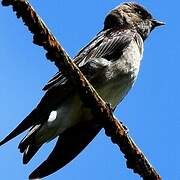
(28, 144)
(29, 121)
(29, 138)
(69, 145)
(30, 152)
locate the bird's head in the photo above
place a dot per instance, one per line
(133, 16)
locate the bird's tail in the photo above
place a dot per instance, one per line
(28, 145)
(70, 143)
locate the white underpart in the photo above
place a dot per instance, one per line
(52, 116)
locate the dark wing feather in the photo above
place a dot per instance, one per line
(41, 113)
(78, 59)
(107, 44)
(29, 121)
(68, 146)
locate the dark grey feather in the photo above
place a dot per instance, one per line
(108, 44)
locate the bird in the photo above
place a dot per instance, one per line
(110, 62)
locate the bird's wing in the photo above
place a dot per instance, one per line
(108, 44)
(41, 113)
(106, 47)
(25, 124)
(68, 146)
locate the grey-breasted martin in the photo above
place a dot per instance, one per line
(111, 63)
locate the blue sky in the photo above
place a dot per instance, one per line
(151, 109)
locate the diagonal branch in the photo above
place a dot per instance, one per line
(101, 110)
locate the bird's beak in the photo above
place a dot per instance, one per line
(156, 23)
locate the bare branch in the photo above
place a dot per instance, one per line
(101, 110)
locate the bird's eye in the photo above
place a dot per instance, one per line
(140, 13)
